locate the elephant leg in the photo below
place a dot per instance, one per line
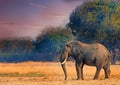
(78, 70)
(106, 72)
(97, 73)
(82, 71)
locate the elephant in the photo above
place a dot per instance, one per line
(94, 54)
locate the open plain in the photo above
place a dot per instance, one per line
(50, 73)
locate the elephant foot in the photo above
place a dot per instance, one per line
(65, 78)
(80, 79)
(106, 77)
(95, 78)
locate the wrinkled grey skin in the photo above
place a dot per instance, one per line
(90, 54)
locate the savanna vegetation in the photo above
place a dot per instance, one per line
(93, 21)
(50, 73)
(45, 48)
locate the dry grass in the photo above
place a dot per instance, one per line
(48, 73)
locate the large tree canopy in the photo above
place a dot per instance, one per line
(96, 20)
(50, 42)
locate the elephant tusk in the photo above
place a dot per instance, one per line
(64, 61)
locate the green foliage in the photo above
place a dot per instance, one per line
(51, 41)
(96, 20)
(16, 45)
(46, 47)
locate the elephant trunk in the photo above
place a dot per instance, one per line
(63, 60)
(64, 70)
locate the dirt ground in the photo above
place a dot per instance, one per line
(50, 73)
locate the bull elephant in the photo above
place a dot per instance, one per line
(90, 54)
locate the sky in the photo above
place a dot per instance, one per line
(27, 18)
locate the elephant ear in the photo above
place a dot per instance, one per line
(68, 45)
(76, 50)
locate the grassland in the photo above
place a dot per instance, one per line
(50, 73)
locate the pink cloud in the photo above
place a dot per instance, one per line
(37, 5)
(53, 15)
(7, 23)
(9, 29)
(32, 17)
(47, 14)
(6, 33)
(3, 23)
(72, 0)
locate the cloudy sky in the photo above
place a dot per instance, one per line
(21, 18)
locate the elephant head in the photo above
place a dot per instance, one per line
(63, 58)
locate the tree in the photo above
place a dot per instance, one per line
(96, 20)
(16, 50)
(50, 42)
